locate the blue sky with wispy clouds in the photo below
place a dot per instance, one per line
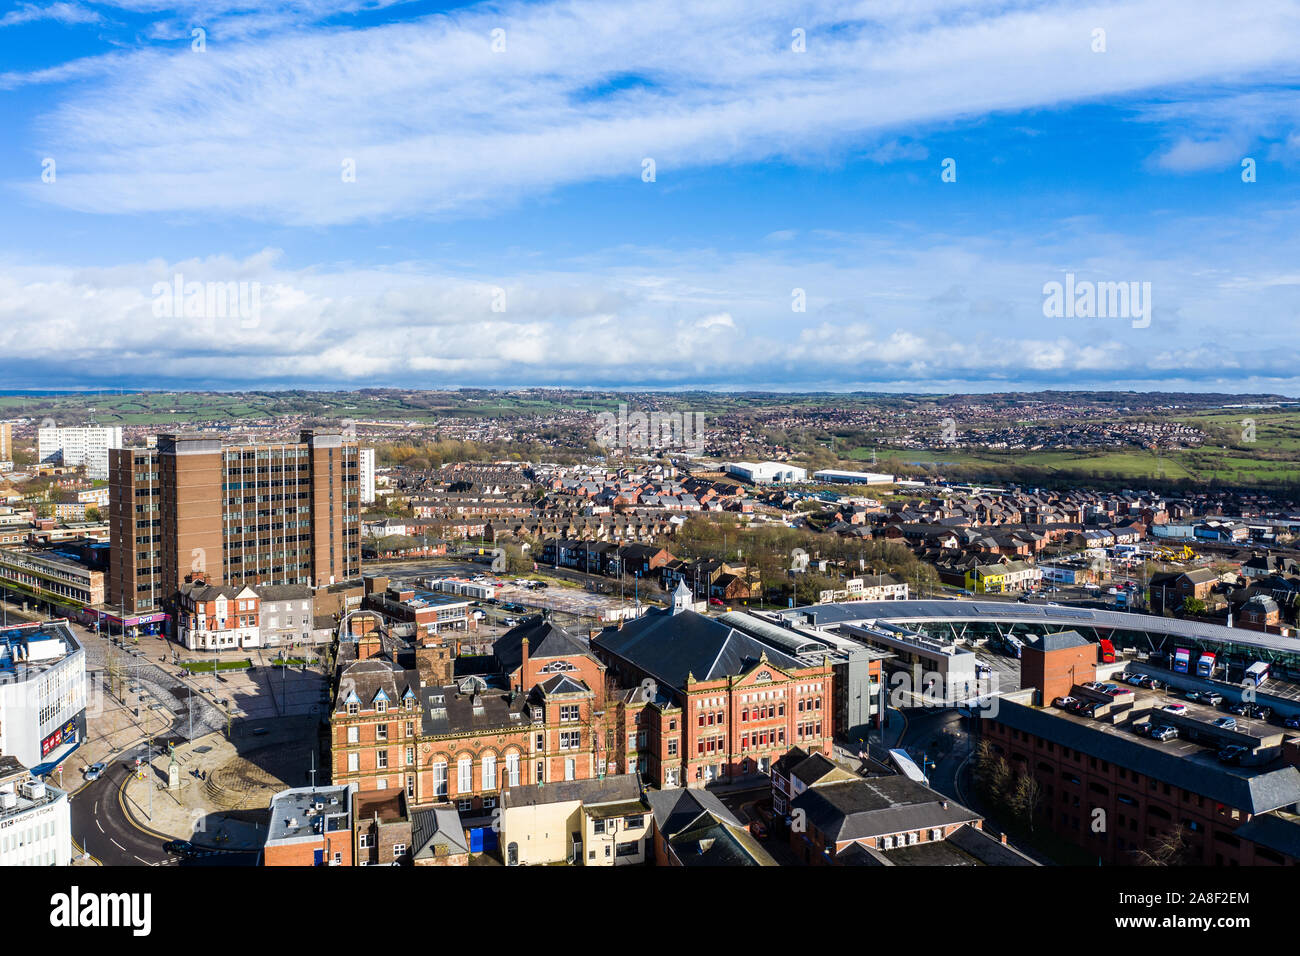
(499, 230)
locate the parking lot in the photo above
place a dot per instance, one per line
(585, 604)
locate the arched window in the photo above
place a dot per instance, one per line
(488, 778)
(465, 774)
(512, 769)
(440, 778)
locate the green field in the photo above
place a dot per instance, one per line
(1227, 456)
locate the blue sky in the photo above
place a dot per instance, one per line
(499, 230)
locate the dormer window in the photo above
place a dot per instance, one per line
(353, 708)
(381, 706)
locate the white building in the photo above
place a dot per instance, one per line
(218, 618)
(367, 475)
(42, 693)
(834, 477)
(87, 445)
(35, 825)
(766, 472)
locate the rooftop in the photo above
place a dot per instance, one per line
(1180, 762)
(309, 812)
(31, 648)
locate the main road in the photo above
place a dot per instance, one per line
(103, 827)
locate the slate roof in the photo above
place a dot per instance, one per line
(878, 806)
(494, 707)
(1236, 787)
(545, 639)
(818, 767)
(436, 827)
(563, 684)
(1061, 640)
(677, 810)
(716, 844)
(1276, 831)
(670, 646)
(619, 788)
(283, 592)
(367, 678)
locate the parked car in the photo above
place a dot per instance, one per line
(1175, 708)
(716, 602)
(1226, 723)
(1211, 698)
(1238, 709)
(1135, 679)
(1232, 754)
(1093, 685)
(1064, 702)
(93, 771)
(759, 829)
(1150, 683)
(178, 847)
(1164, 733)
(1110, 690)
(1293, 722)
(1090, 710)
(1143, 729)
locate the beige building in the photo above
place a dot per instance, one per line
(582, 822)
(46, 573)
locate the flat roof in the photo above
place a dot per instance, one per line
(17, 642)
(1181, 763)
(294, 815)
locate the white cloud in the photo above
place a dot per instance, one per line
(65, 13)
(437, 123)
(680, 317)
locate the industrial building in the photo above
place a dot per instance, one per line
(767, 472)
(833, 477)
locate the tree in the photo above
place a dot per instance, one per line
(992, 773)
(1026, 797)
(1168, 848)
(93, 514)
(115, 670)
(1193, 606)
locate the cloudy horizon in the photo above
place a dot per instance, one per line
(579, 194)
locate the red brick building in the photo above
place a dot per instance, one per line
(706, 702)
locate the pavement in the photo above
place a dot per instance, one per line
(225, 786)
(119, 820)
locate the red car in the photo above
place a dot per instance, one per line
(717, 602)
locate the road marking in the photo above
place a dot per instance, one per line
(118, 845)
(145, 862)
(100, 825)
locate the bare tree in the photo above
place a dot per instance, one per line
(1027, 797)
(115, 671)
(1167, 848)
